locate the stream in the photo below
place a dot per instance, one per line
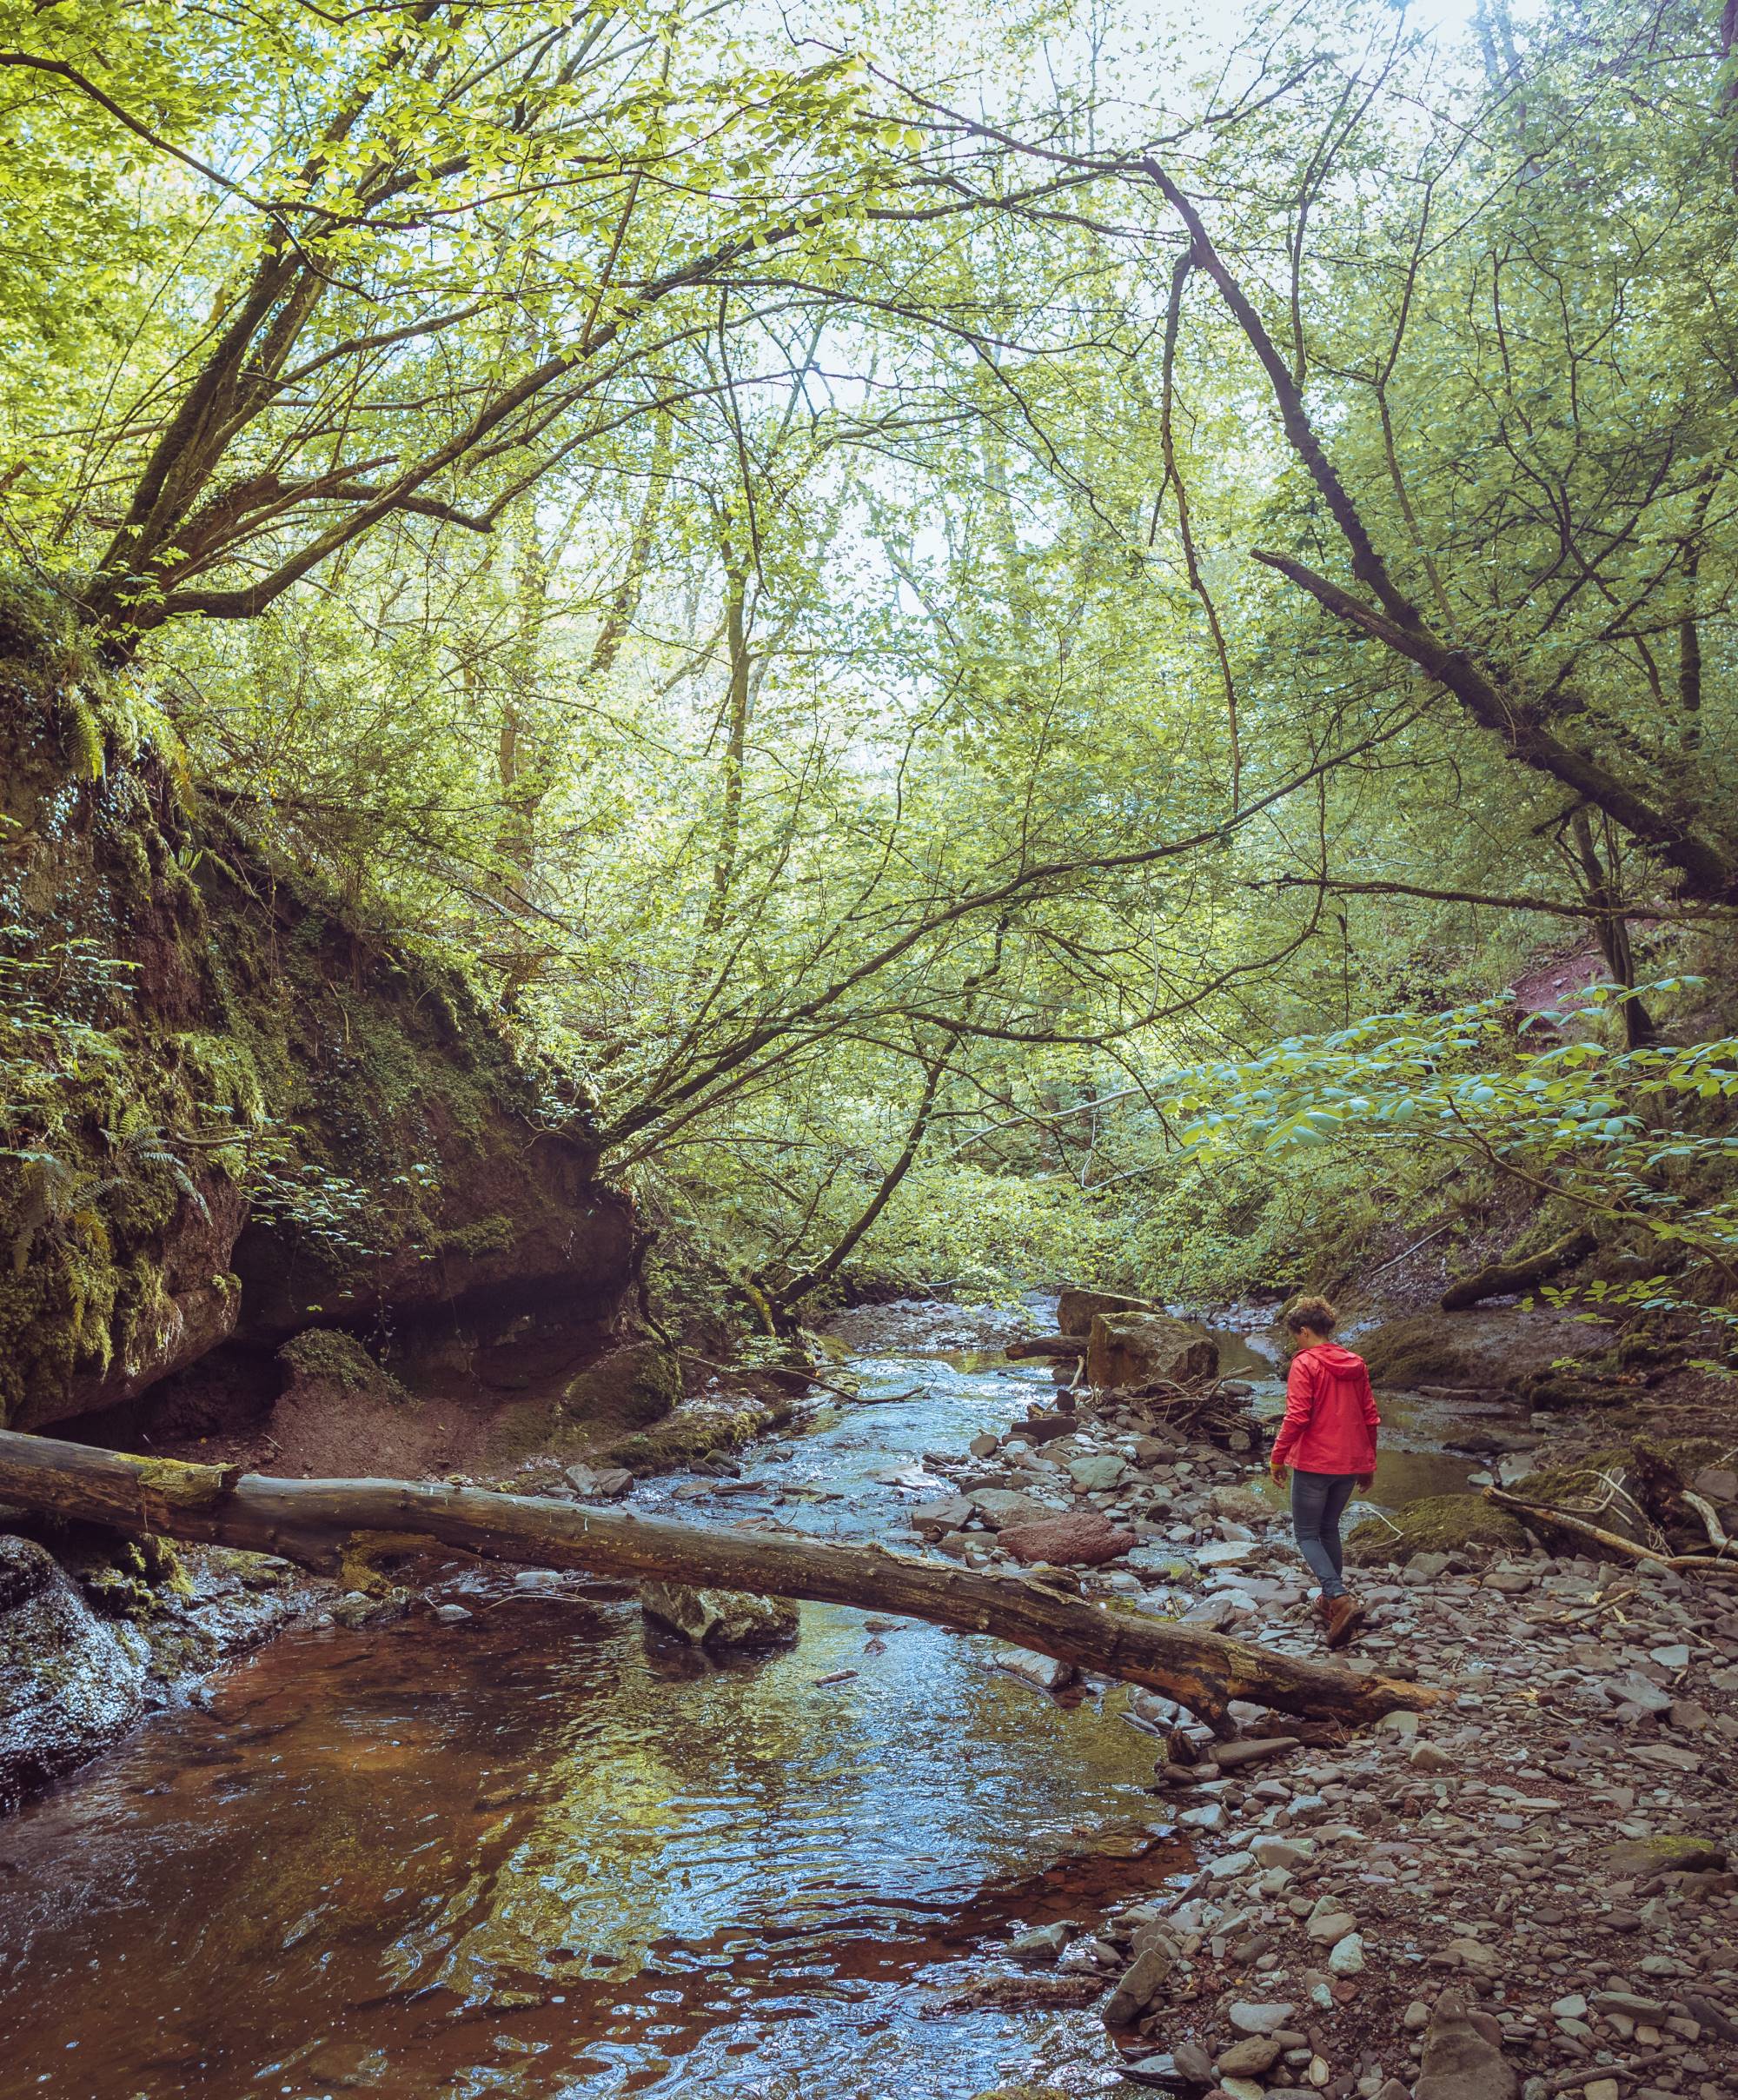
(541, 1852)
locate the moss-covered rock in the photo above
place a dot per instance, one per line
(335, 1361)
(1077, 1307)
(1131, 1348)
(1636, 1858)
(695, 1430)
(1421, 1350)
(1489, 1348)
(1025, 2092)
(70, 1683)
(720, 1619)
(626, 1390)
(1435, 1524)
(1634, 1488)
(173, 982)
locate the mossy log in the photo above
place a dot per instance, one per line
(320, 1523)
(1502, 1279)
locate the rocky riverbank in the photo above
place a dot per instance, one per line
(1526, 1893)
(90, 1645)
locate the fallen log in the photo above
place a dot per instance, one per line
(1578, 1528)
(1504, 1278)
(324, 1524)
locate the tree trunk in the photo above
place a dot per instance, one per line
(736, 706)
(791, 1295)
(318, 1522)
(1613, 927)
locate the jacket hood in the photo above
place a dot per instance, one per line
(1333, 1358)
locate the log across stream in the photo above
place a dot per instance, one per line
(320, 1523)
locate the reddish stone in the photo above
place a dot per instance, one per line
(1083, 1538)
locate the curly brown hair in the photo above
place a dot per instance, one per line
(1316, 1313)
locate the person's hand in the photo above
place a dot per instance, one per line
(1277, 1473)
(1366, 1481)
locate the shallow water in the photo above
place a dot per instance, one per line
(537, 1855)
(531, 1854)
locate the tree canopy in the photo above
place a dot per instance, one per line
(949, 617)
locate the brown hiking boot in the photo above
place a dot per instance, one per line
(1345, 1615)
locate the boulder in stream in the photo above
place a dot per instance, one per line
(1077, 1309)
(719, 1618)
(1133, 1348)
(70, 1683)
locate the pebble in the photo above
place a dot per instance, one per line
(1347, 1959)
(1251, 2018)
(1249, 2058)
(1042, 1944)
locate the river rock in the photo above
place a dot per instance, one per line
(999, 1507)
(1636, 1858)
(719, 1618)
(1083, 1539)
(1249, 2059)
(1043, 1670)
(600, 1484)
(1460, 2063)
(1023, 2092)
(1130, 1348)
(70, 1684)
(1225, 1552)
(1242, 1504)
(1251, 2019)
(1638, 1691)
(1042, 1944)
(1347, 1957)
(1042, 1428)
(1098, 1469)
(1077, 1309)
(1139, 1986)
(932, 1519)
(1255, 1750)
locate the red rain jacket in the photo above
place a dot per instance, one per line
(1331, 1419)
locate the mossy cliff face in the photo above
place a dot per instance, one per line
(227, 1110)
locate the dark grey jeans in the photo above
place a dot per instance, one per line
(1318, 1501)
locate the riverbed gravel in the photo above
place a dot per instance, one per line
(1526, 1892)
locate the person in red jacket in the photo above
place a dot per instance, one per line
(1327, 1441)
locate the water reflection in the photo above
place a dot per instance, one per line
(527, 1856)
